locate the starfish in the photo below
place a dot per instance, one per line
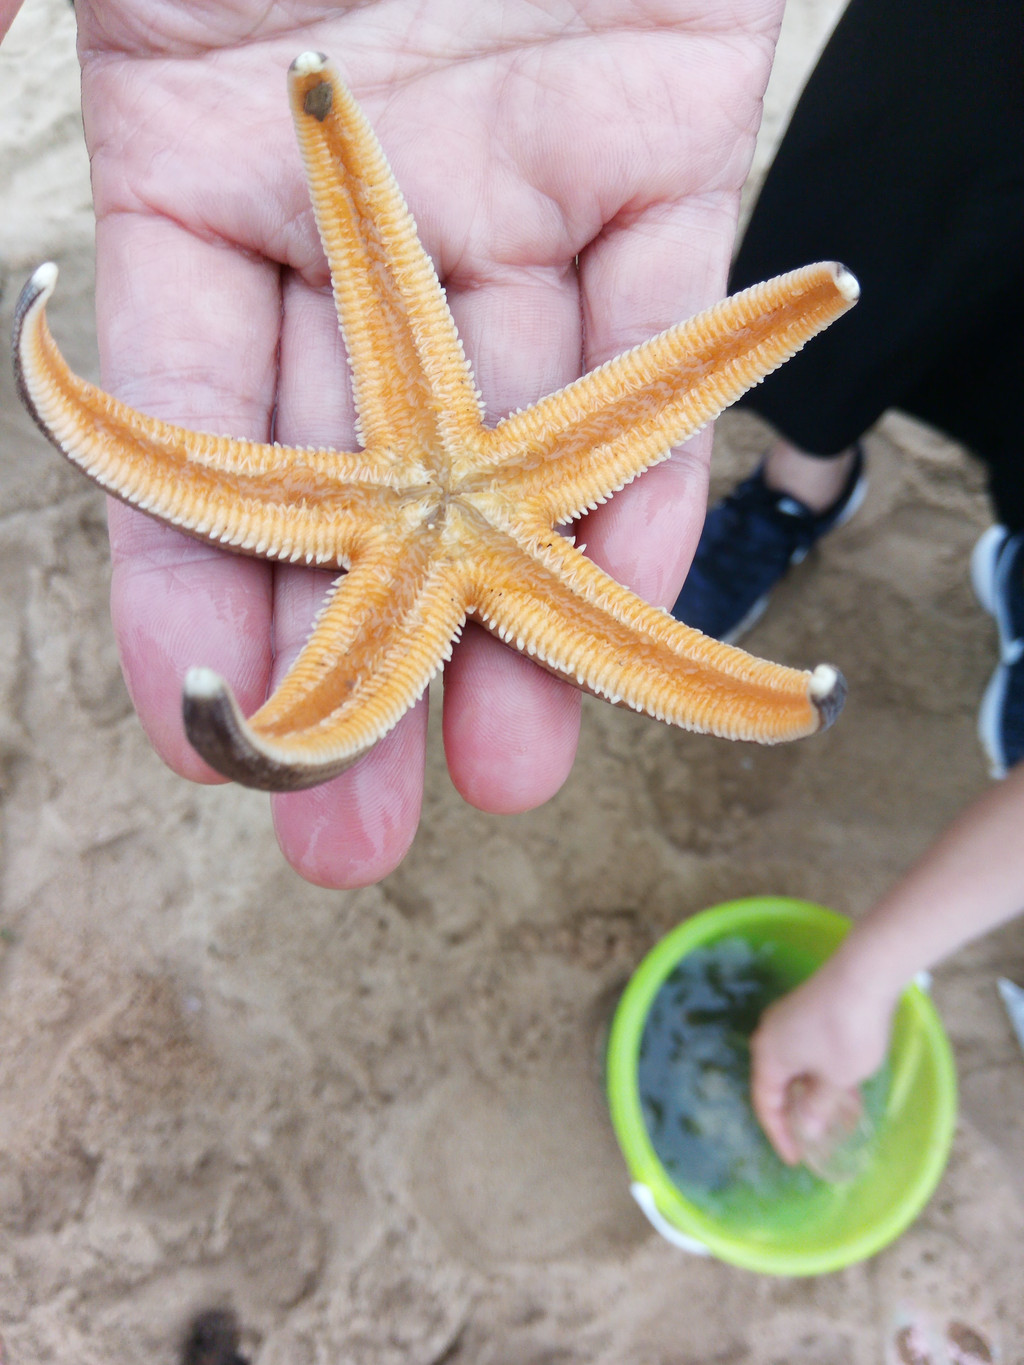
(439, 518)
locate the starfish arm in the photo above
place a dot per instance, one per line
(572, 450)
(410, 376)
(385, 630)
(274, 501)
(571, 617)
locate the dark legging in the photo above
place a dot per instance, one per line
(905, 160)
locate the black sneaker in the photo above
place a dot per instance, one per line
(997, 570)
(749, 541)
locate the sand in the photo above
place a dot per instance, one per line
(370, 1123)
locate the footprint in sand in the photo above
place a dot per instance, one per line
(965, 1346)
(919, 1343)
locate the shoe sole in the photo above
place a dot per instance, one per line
(984, 563)
(984, 558)
(989, 715)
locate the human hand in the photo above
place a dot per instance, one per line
(810, 1050)
(8, 9)
(525, 141)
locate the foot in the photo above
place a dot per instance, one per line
(997, 570)
(749, 541)
(817, 481)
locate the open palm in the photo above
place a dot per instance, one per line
(574, 171)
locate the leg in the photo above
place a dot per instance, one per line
(815, 480)
(905, 160)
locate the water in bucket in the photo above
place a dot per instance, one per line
(694, 1081)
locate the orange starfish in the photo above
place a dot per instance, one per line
(439, 518)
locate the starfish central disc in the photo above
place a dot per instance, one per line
(438, 518)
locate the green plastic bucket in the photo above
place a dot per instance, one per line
(805, 1233)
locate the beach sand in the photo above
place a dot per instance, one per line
(370, 1122)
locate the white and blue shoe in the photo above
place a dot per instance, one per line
(750, 541)
(997, 572)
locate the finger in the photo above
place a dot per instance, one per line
(176, 604)
(187, 331)
(663, 256)
(772, 1119)
(768, 1092)
(355, 830)
(675, 261)
(510, 729)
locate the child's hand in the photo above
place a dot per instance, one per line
(829, 1035)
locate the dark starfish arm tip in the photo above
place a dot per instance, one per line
(218, 732)
(318, 100)
(211, 718)
(827, 692)
(35, 292)
(40, 283)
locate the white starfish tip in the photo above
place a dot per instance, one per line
(203, 684)
(306, 63)
(847, 284)
(823, 681)
(44, 278)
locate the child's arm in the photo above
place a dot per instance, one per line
(835, 1027)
